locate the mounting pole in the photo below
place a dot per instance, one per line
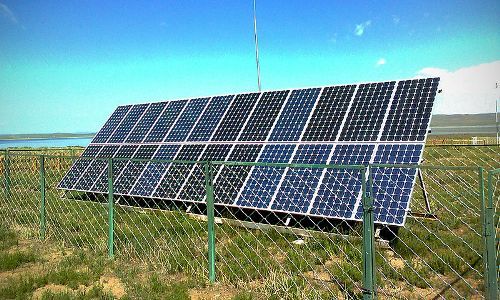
(209, 189)
(256, 42)
(111, 224)
(424, 191)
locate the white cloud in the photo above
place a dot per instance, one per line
(468, 90)
(381, 62)
(396, 19)
(6, 13)
(360, 28)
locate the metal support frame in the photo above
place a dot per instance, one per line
(43, 222)
(369, 274)
(210, 220)
(111, 204)
(428, 210)
(424, 191)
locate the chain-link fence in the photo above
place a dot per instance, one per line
(487, 156)
(446, 248)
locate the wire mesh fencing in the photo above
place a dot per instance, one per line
(439, 253)
(486, 156)
(182, 218)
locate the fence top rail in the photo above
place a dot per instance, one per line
(288, 165)
(9, 153)
(69, 148)
(460, 145)
(257, 164)
(494, 172)
(428, 167)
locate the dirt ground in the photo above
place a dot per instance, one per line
(56, 272)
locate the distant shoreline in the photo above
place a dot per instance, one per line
(28, 137)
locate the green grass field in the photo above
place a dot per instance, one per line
(160, 252)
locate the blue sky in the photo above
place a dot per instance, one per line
(66, 65)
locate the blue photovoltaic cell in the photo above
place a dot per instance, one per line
(127, 124)
(392, 186)
(99, 172)
(149, 179)
(194, 188)
(294, 116)
(111, 124)
(176, 173)
(144, 125)
(239, 110)
(165, 121)
(186, 121)
(125, 151)
(365, 118)
(297, 189)
(325, 122)
(133, 169)
(79, 167)
(340, 188)
(263, 181)
(95, 168)
(205, 127)
(411, 109)
(262, 119)
(92, 174)
(230, 179)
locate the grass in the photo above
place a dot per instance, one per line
(74, 274)
(168, 249)
(10, 261)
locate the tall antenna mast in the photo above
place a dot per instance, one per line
(256, 43)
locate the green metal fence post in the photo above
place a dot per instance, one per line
(490, 271)
(210, 220)
(6, 171)
(368, 237)
(111, 224)
(42, 197)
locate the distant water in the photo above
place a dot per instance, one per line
(37, 143)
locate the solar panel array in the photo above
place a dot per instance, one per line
(357, 124)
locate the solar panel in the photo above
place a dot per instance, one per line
(206, 125)
(79, 167)
(144, 124)
(367, 112)
(263, 181)
(329, 113)
(186, 121)
(230, 179)
(341, 188)
(101, 183)
(164, 122)
(124, 182)
(392, 187)
(233, 121)
(174, 175)
(261, 121)
(355, 124)
(409, 117)
(297, 187)
(194, 185)
(294, 116)
(153, 171)
(127, 124)
(114, 120)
